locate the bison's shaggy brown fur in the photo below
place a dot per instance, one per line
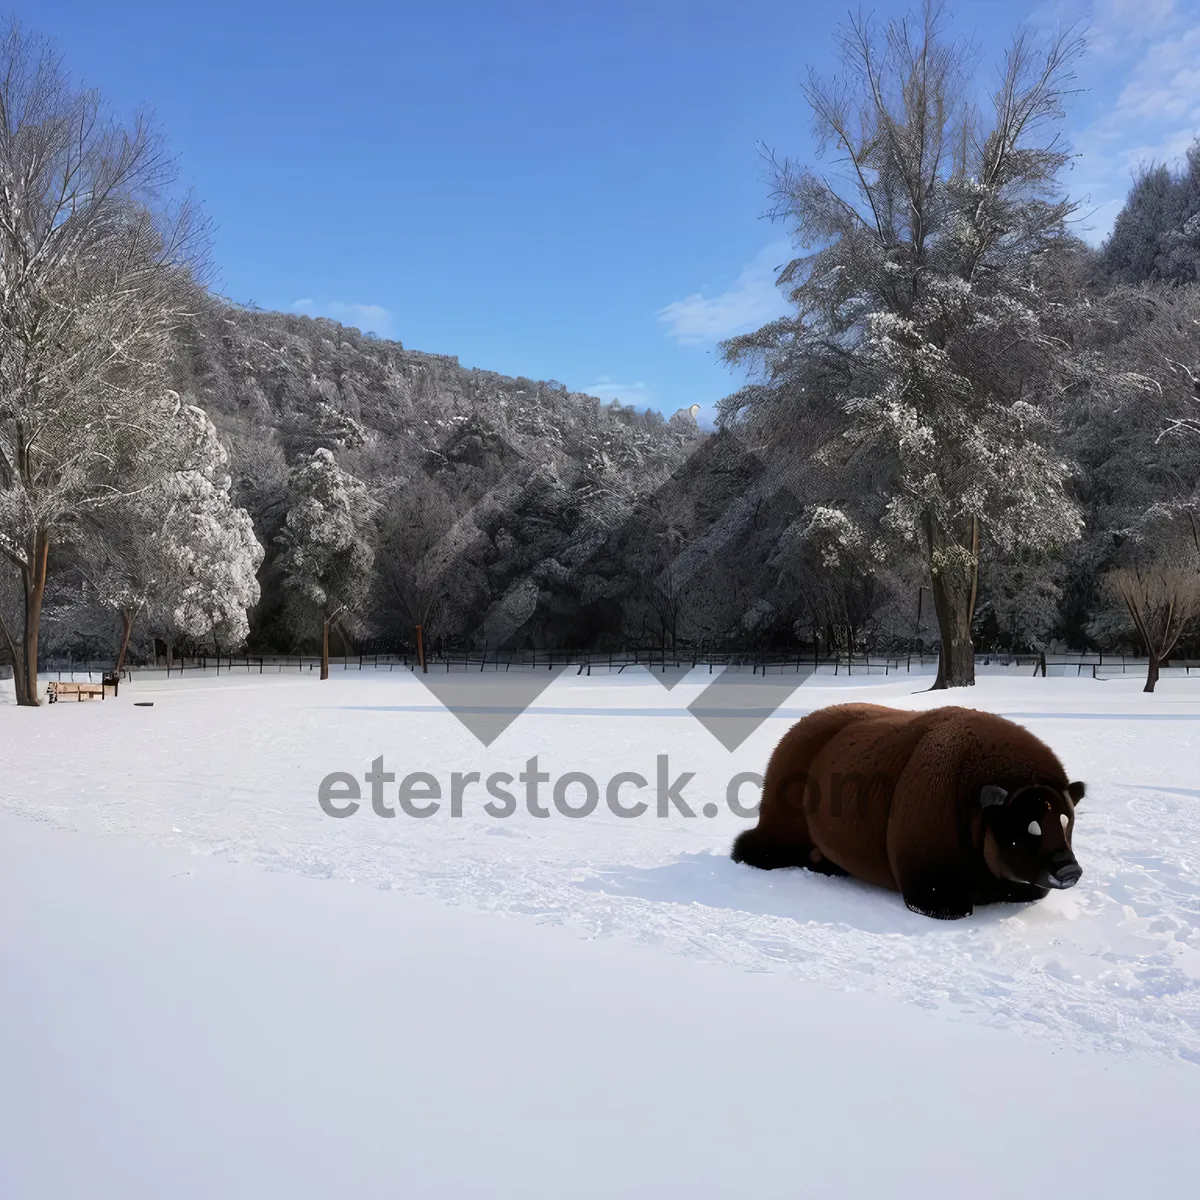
(950, 807)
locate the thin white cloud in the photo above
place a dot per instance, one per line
(1107, 25)
(1142, 70)
(752, 301)
(370, 318)
(1114, 22)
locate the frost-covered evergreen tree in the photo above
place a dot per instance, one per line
(921, 344)
(180, 552)
(327, 554)
(1156, 236)
(215, 557)
(1153, 207)
(1140, 464)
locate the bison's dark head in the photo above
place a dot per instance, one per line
(1027, 833)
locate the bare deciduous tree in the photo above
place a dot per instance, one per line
(663, 585)
(93, 281)
(1161, 599)
(416, 559)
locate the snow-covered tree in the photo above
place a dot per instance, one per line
(844, 579)
(1019, 599)
(327, 554)
(1156, 236)
(1139, 464)
(1153, 208)
(214, 557)
(181, 552)
(416, 558)
(93, 282)
(921, 343)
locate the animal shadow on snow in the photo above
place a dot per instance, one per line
(716, 881)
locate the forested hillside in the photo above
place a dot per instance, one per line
(492, 500)
(511, 512)
(971, 430)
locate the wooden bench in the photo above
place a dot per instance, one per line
(56, 691)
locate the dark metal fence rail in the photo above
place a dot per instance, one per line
(225, 664)
(1098, 666)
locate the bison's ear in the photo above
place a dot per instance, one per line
(1076, 790)
(991, 796)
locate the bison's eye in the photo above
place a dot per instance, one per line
(1035, 829)
(1064, 819)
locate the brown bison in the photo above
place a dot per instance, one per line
(950, 807)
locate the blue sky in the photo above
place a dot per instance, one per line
(559, 189)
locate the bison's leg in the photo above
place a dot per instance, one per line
(931, 862)
(935, 892)
(760, 848)
(822, 865)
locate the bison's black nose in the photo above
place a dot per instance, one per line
(1066, 875)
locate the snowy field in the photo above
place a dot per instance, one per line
(472, 1005)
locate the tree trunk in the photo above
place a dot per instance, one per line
(974, 573)
(952, 585)
(25, 669)
(325, 648)
(1151, 673)
(126, 630)
(421, 650)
